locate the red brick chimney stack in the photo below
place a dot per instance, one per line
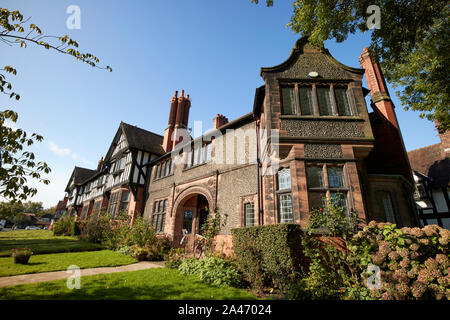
(445, 140)
(173, 109)
(377, 86)
(100, 164)
(219, 121)
(167, 142)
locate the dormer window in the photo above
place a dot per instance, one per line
(315, 99)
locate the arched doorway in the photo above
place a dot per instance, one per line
(191, 214)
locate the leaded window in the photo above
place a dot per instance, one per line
(289, 103)
(249, 211)
(284, 179)
(306, 101)
(159, 215)
(285, 202)
(342, 101)
(324, 100)
(187, 221)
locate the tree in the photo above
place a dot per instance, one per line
(17, 164)
(412, 44)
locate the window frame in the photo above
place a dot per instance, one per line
(325, 188)
(246, 205)
(315, 105)
(285, 191)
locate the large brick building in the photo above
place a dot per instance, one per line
(308, 137)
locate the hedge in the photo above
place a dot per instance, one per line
(269, 255)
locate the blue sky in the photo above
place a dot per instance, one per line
(212, 49)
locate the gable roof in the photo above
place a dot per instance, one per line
(306, 57)
(80, 175)
(431, 162)
(142, 139)
(137, 138)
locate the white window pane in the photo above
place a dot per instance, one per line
(285, 201)
(284, 179)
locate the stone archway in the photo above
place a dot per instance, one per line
(190, 210)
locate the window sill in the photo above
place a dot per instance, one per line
(196, 166)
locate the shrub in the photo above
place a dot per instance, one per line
(76, 227)
(269, 254)
(151, 251)
(63, 227)
(213, 270)
(413, 262)
(95, 229)
(174, 258)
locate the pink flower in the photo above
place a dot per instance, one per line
(394, 255)
(431, 230)
(417, 232)
(442, 260)
(404, 263)
(386, 296)
(418, 289)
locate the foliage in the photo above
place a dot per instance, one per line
(175, 257)
(154, 251)
(63, 227)
(139, 239)
(412, 44)
(270, 254)
(21, 252)
(21, 256)
(325, 248)
(210, 229)
(414, 262)
(332, 219)
(17, 164)
(213, 270)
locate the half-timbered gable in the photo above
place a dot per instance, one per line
(76, 187)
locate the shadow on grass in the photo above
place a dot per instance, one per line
(46, 245)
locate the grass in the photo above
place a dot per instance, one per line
(42, 241)
(61, 261)
(153, 284)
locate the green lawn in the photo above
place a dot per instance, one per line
(61, 261)
(42, 241)
(158, 284)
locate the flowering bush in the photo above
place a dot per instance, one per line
(414, 262)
